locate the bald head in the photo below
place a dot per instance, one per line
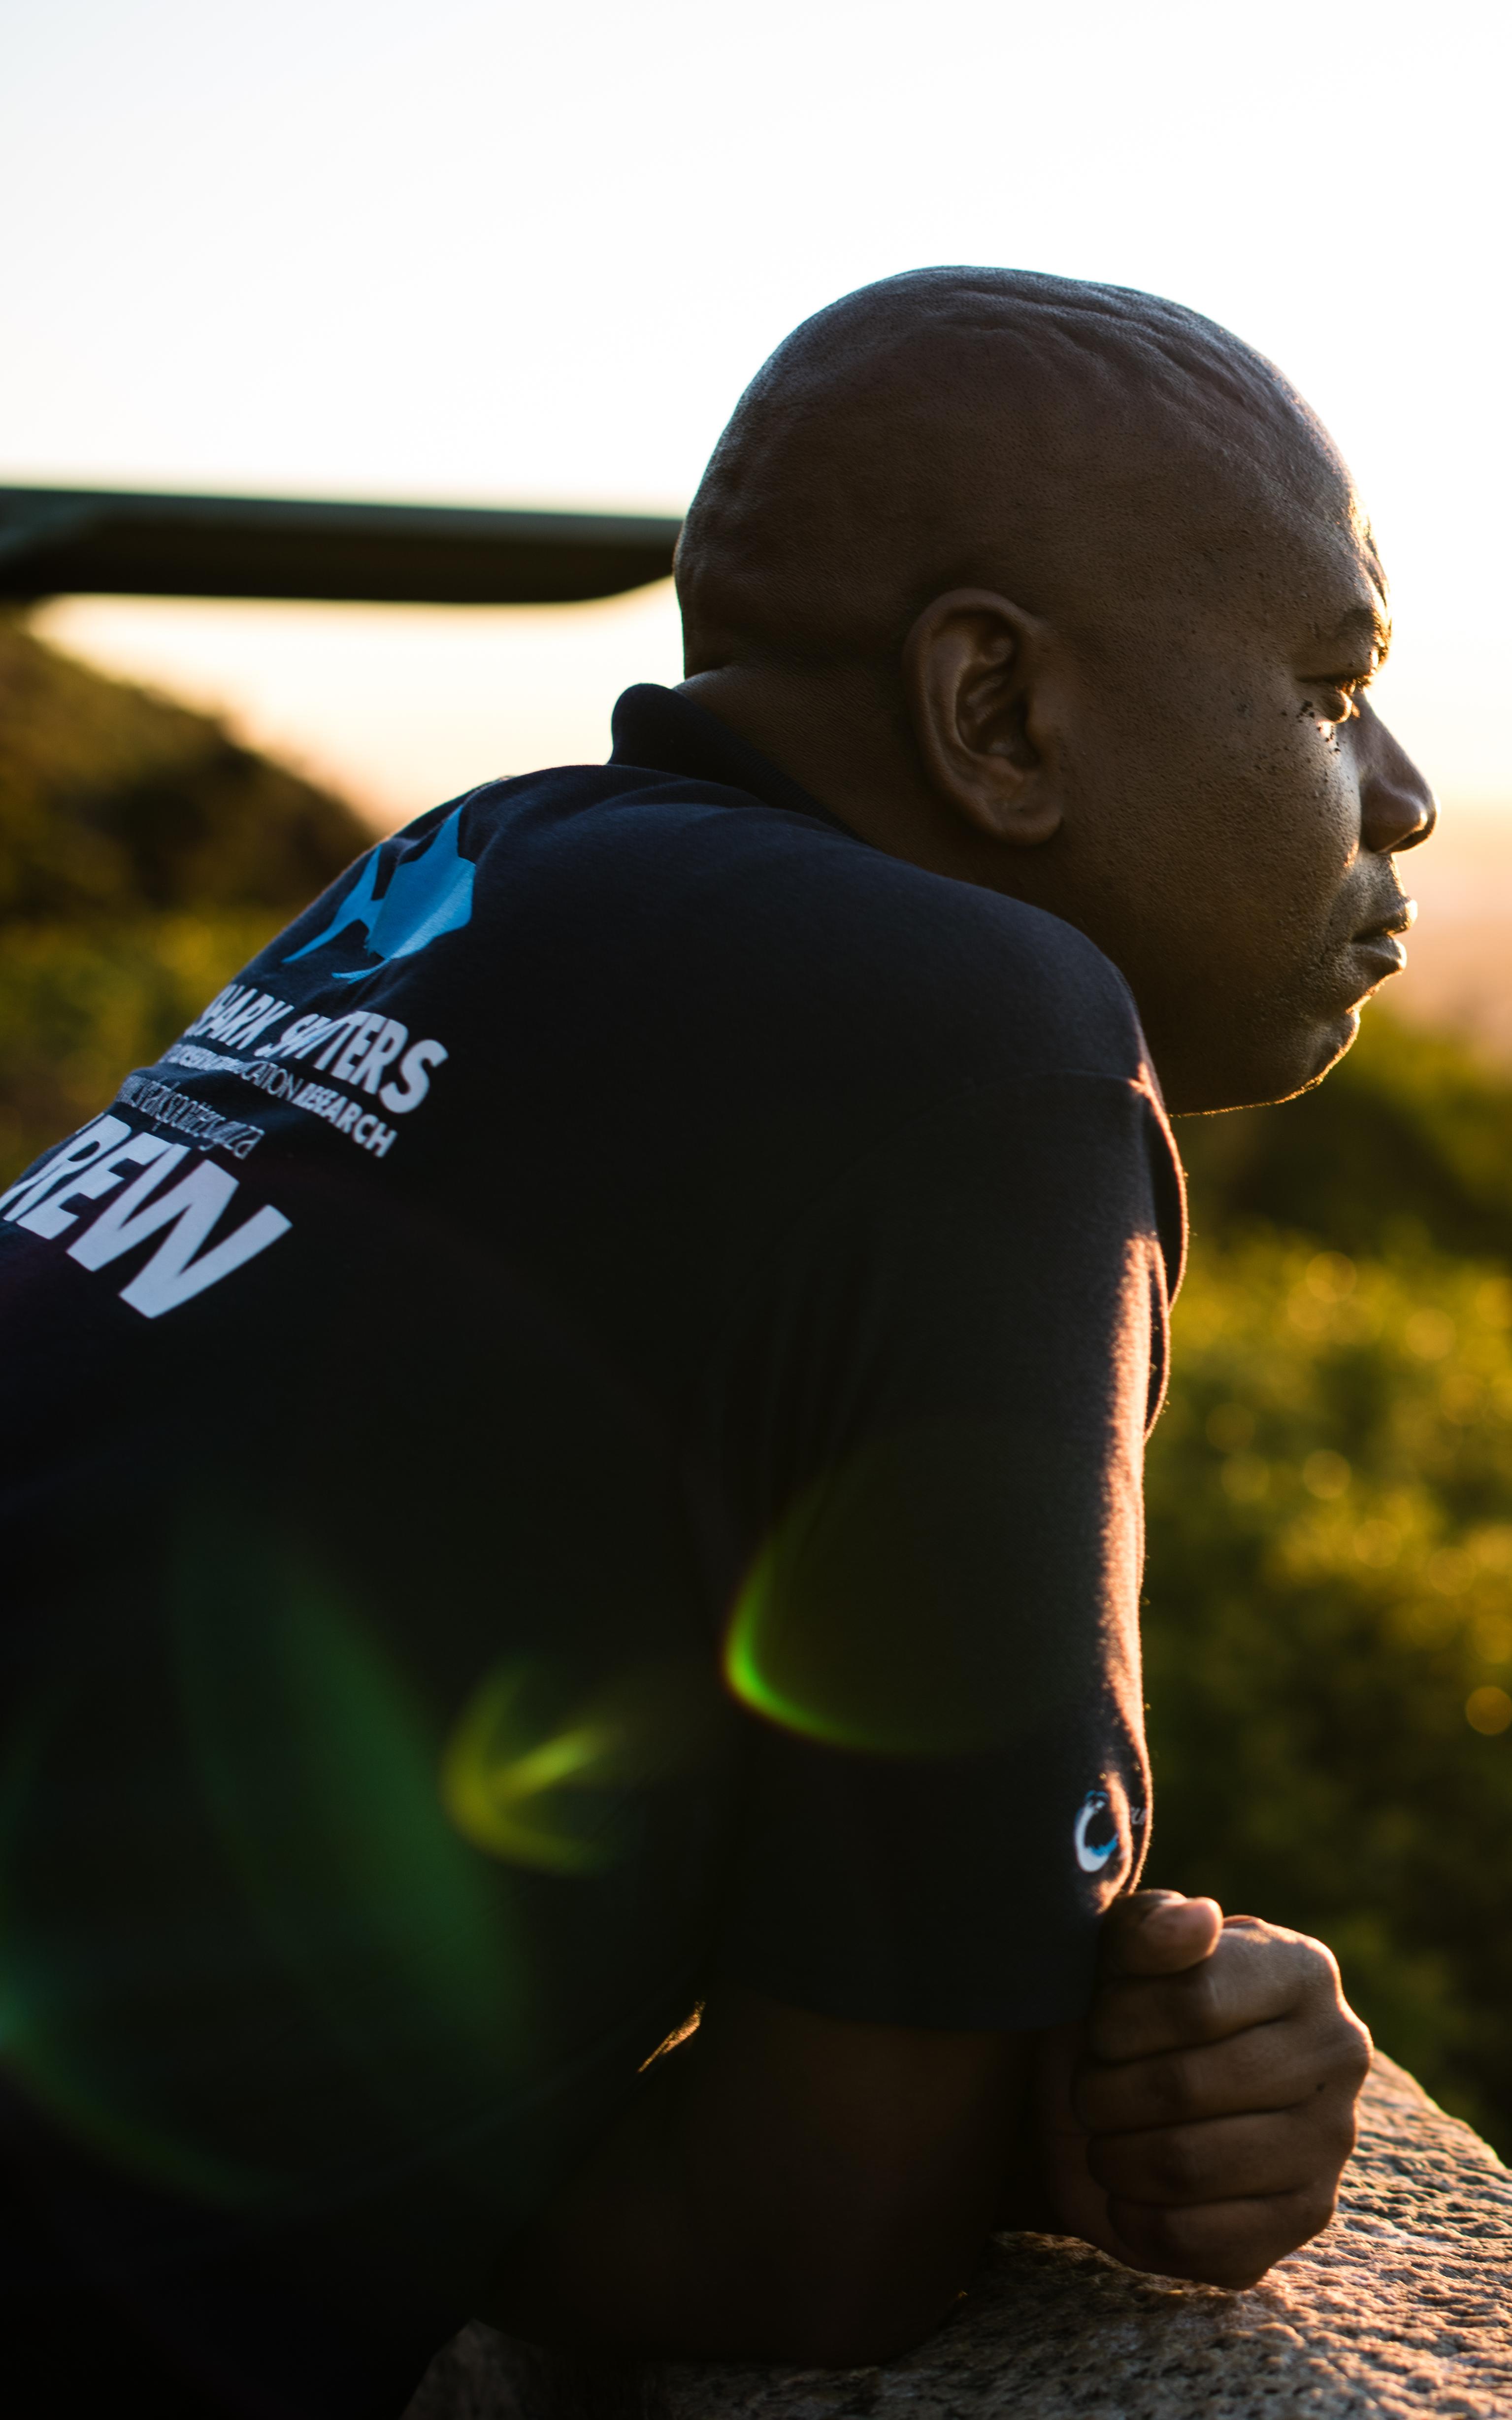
(958, 427)
(1062, 591)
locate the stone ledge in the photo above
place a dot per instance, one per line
(1402, 2307)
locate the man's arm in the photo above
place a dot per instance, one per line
(790, 2187)
(787, 2187)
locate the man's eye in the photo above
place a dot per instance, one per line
(1335, 696)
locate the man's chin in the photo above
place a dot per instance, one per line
(1259, 1078)
(1341, 1037)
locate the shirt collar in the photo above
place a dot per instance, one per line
(671, 733)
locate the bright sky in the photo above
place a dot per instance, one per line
(492, 253)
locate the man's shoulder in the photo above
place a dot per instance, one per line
(741, 901)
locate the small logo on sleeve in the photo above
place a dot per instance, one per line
(1097, 1838)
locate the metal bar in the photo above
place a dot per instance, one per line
(66, 541)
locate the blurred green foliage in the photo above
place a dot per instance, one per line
(1408, 1142)
(1329, 1588)
(144, 855)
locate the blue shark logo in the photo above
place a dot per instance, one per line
(430, 894)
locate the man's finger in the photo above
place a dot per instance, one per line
(1227, 2243)
(1157, 1932)
(1225, 2159)
(1283, 2066)
(1252, 1975)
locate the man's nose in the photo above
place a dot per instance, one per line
(1397, 810)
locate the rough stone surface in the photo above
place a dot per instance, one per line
(1402, 2307)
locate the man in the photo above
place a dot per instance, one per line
(712, 1213)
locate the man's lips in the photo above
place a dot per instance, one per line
(1382, 941)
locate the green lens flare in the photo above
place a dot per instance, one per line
(505, 1793)
(548, 1787)
(789, 1679)
(317, 1762)
(876, 1618)
(243, 1953)
(42, 1991)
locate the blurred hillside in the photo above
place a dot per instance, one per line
(144, 855)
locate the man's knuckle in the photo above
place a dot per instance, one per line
(1337, 2129)
(1319, 1960)
(1185, 2234)
(1314, 2207)
(1178, 2161)
(1341, 2059)
(1207, 2001)
(1256, 2064)
(1356, 2048)
(1173, 2085)
(1185, 2244)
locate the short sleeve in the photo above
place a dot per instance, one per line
(931, 1415)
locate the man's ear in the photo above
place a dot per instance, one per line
(973, 666)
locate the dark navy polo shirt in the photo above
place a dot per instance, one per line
(579, 1431)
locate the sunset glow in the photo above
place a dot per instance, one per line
(491, 256)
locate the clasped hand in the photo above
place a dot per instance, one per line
(1197, 2124)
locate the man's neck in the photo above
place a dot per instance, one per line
(834, 735)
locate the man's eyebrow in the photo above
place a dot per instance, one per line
(1365, 622)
